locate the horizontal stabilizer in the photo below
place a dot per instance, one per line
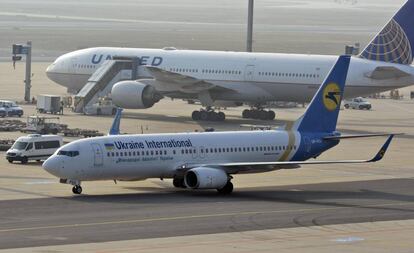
(353, 136)
(387, 72)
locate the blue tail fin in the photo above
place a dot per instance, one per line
(322, 113)
(116, 123)
(395, 43)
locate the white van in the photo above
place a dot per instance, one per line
(33, 147)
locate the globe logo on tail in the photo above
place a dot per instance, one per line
(331, 96)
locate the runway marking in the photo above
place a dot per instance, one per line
(193, 217)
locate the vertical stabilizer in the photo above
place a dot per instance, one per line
(116, 123)
(322, 112)
(395, 42)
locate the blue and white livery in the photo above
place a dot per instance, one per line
(207, 160)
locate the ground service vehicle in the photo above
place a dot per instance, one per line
(358, 103)
(11, 108)
(33, 147)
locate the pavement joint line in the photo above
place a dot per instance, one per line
(193, 217)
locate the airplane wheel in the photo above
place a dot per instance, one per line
(227, 189)
(179, 183)
(77, 189)
(255, 114)
(246, 114)
(221, 116)
(263, 115)
(196, 115)
(204, 115)
(271, 115)
(213, 116)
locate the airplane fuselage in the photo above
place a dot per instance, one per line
(136, 157)
(253, 77)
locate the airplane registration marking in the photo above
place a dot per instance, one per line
(196, 217)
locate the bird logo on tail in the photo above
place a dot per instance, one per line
(331, 96)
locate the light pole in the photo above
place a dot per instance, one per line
(249, 42)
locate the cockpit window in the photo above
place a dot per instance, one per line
(19, 145)
(68, 153)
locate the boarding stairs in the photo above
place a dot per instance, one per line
(102, 80)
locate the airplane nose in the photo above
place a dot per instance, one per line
(51, 165)
(50, 71)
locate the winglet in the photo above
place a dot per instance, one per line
(383, 149)
(115, 124)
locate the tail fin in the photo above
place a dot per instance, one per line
(395, 43)
(116, 123)
(322, 113)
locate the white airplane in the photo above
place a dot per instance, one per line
(214, 77)
(207, 160)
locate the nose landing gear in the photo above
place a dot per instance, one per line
(77, 189)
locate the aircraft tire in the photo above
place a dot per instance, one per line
(196, 115)
(246, 114)
(255, 114)
(221, 116)
(263, 115)
(271, 115)
(77, 189)
(204, 116)
(179, 183)
(227, 189)
(212, 116)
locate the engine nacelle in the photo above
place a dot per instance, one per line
(134, 95)
(205, 178)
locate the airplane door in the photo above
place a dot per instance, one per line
(97, 154)
(249, 73)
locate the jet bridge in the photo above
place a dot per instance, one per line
(102, 80)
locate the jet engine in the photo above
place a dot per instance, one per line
(205, 178)
(134, 95)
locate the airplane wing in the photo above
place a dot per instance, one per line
(185, 83)
(387, 72)
(232, 168)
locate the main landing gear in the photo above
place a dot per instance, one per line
(77, 189)
(208, 114)
(259, 113)
(227, 189)
(179, 182)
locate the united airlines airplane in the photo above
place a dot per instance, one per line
(214, 77)
(208, 160)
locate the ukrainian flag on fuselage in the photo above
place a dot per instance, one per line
(109, 146)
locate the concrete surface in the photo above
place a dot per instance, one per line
(169, 212)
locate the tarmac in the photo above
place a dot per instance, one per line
(331, 208)
(312, 209)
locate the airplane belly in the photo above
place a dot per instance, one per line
(259, 92)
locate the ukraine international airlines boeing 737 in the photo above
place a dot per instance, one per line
(207, 160)
(253, 78)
